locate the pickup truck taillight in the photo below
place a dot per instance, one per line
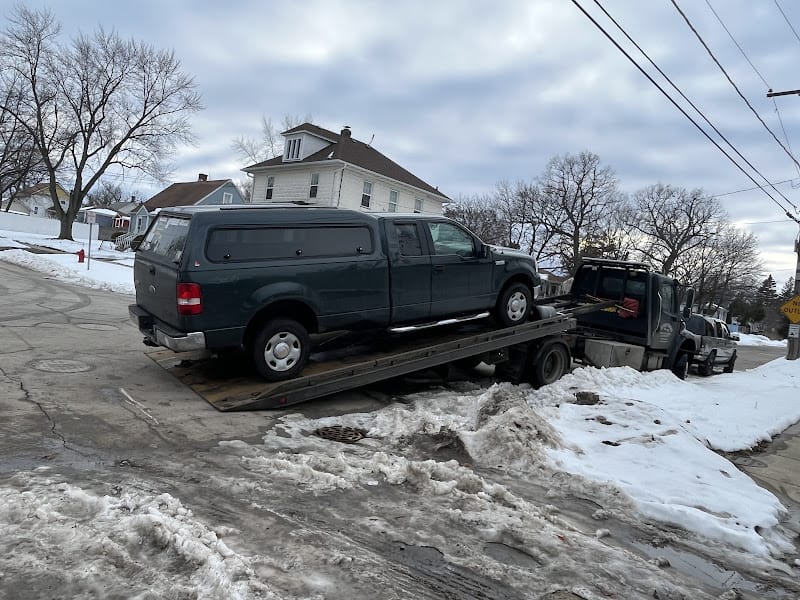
(190, 302)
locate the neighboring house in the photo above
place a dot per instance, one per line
(202, 191)
(37, 202)
(103, 217)
(552, 284)
(333, 169)
(132, 216)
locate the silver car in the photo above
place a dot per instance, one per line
(718, 344)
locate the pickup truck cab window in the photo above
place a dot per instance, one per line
(408, 239)
(450, 239)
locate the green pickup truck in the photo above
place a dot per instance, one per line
(266, 278)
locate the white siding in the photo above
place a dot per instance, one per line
(293, 185)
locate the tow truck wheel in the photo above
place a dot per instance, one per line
(551, 363)
(514, 305)
(681, 366)
(280, 350)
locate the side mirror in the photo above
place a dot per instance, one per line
(484, 251)
(688, 303)
(735, 337)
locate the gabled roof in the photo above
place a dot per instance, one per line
(40, 189)
(184, 194)
(352, 151)
(124, 208)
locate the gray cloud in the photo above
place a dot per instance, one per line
(466, 94)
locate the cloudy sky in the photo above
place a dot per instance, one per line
(468, 93)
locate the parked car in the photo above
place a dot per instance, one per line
(264, 278)
(717, 346)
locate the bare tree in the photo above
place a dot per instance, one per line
(725, 265)
(578, 194)
(670, 221)
(95, 102)
(479, 215)
(20, 163)
(105, 194)
(269, 144)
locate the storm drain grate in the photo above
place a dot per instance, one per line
(338, 433)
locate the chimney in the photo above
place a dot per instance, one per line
(346, 131)
(202, 177)
(133, 198)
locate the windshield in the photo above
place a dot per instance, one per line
(167, 238)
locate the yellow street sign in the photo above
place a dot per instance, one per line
(792, 309)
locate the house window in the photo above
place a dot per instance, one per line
(270, 185)
(417, 205)
(292, 149)
(140, 224)
(366, 194)
(312, 191)
(393, 195)
(227, 198)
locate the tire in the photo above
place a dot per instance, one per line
(281, 349)
(514, 305)
(552, 362)
(729, 367)
(681, 366)
(707, 368)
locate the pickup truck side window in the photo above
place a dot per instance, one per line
(263, 243)
(408, 239)
(449, 239)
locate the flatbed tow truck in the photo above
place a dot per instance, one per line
(534, 352)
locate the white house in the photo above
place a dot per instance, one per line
(36, 202)
(334, 169)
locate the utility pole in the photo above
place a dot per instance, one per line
(791, 308)
(793, 345)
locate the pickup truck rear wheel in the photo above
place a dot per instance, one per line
(280, 350)
(551, 363)
(514, 305)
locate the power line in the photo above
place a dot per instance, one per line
(757, 72)
(785, 18)
(680, 108)
(692, 104)
(754, 188)
(735, 87)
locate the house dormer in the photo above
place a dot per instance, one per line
(299, 143)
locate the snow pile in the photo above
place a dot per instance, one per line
(752, 339)
(120, 546)
(651, 436)
(65, 267)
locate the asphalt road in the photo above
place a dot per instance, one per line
(79, 396)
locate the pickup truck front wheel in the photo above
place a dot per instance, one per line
(280, 350)
(514, 305)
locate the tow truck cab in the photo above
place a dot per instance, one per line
(645, 328)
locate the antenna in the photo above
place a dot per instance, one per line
(370, 140)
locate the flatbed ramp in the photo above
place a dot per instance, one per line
(230, 386)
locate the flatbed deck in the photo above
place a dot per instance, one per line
(341, 363)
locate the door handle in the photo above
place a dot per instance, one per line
(152, 270)
(438, 267)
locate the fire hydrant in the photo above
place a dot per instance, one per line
(81, 255)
